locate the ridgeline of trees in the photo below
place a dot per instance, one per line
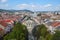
(19, 32)
(40, 32)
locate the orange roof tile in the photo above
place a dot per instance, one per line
(4, 22)
(55, 24)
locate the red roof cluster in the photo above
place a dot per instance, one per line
(4, 22)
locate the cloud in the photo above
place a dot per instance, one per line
(22, 6)
(3, 1)
(33, 6)
(57, 7)
(48, 5)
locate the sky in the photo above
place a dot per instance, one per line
(34, 5)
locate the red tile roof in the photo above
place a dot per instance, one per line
(7, 20)
(4, 22)
(1, 29)
(56, 24)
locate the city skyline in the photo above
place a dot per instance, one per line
(34, 5)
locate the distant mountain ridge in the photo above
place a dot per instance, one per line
(25, 11)
(3, 10)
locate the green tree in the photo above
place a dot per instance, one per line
(43, 30)
(56, 36)
(40, 31)
(19, 32)
(49, 36)
(39, 14)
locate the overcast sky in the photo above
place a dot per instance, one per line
(34, 5)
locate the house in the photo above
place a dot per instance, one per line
(45, 16)
(6, 25)
(54, 26)
(30, 23)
